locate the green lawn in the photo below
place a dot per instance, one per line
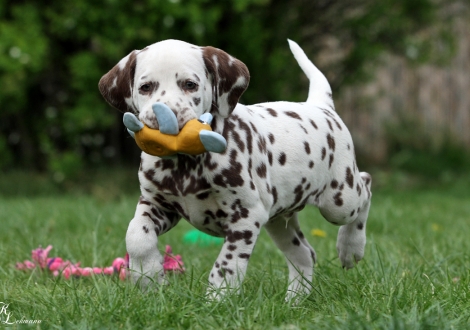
(415, 274)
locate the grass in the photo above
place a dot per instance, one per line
(415, 274)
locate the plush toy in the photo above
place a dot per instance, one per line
(196, 136)
(58, 266)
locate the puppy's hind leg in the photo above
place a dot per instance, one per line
(352, 236)
(300, 256)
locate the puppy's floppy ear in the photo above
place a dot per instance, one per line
(230, 78)
(116, 86)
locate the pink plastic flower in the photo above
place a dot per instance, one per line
(40, 256)
(108, 270)
(87, 271)
(67, 272)
(25, 265)
(97, 270)
(172, 262)
(57, 266)
(119, 263)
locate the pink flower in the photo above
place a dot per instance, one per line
(40, 256)
(123, 273)
(87, 271)
(108, 270)
(58, 266)
(119, 263)
(97, 270)
(67, 272)
(171, 262)
(25, 265)
(76, 270)
(55, 264)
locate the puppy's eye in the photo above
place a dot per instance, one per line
(189, 85)
(146, 87)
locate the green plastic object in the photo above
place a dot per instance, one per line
(197, 237)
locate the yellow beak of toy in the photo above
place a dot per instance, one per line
(196, 136)
(154, 142)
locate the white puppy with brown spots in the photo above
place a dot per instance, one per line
(280, 156)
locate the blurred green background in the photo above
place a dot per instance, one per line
(399, 71)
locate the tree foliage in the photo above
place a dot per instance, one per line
(53, 53)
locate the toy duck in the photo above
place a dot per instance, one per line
(194, 138)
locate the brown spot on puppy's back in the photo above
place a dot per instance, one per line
(331, 142)
(261, 170)
(330, 162)
(271, 138)
(307, 147)
(272, 112)
(262, 145)
(293, 114)
(313, 124)
(349, 177)
(282, 158)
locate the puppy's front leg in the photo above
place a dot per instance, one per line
(230, 268)
(145, 261)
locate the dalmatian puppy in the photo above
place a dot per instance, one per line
(280, 156)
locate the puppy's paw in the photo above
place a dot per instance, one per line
(350, 246)
(145, 272)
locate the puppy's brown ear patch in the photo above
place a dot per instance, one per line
(116, 86)
(230, 78)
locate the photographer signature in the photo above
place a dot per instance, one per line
(6, 317)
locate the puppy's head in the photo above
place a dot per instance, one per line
(190, 80)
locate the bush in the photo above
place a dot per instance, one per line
(52, 55)
(414, 149)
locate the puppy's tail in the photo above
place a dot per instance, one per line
(319, 91)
